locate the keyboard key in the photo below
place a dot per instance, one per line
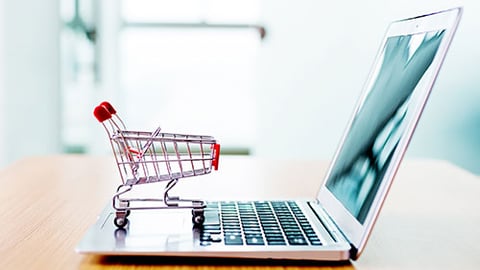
(277, 243)
(211, 227)
(211, 218)
(275, 238)
(213, 231)
(233, 240)
(215, 239)
(297, 241)
(254, 241)
(316, 243)
(205, 237)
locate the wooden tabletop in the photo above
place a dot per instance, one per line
(431, 219)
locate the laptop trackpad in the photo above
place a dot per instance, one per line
(153, 231)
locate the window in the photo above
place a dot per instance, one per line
(188, 66)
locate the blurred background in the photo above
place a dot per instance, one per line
(270, 78)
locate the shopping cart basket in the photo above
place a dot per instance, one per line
(149, 157)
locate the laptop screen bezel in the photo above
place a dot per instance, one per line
(353, 230)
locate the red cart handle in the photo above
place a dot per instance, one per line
(101, 113)
(109, 107)
(104, 111)
(216, 156)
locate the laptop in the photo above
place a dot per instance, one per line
(336, 225)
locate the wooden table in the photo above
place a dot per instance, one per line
(431, 219)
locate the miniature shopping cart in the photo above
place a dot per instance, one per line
(150, 157)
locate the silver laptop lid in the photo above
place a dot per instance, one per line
(384, 120)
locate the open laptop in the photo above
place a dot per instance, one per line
(336, 224)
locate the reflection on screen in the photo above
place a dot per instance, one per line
(380, 121)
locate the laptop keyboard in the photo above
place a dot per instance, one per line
(274, 223)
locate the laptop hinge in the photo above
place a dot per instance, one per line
(330, 224)
(353, 252)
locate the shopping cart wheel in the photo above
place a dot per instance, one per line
(198, 220)
(197, 217)
(120, 222)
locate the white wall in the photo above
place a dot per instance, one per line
(29, 79)
(2, 84)
(316, 57)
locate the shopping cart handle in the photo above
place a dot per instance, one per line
(101, 113)
(109, 107)
(216, 156)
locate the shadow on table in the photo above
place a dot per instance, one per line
(215, 262)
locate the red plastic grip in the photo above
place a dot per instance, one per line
(109, 107)
(216, 156)
(101, 113)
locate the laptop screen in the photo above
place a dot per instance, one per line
(381, 120)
